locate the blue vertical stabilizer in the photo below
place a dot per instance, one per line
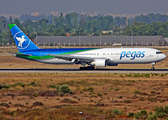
(22, 41)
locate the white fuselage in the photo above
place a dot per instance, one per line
(117, 56)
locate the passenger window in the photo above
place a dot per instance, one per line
(117, 53)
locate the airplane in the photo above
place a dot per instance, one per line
(93, 57)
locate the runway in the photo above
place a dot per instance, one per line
(46, 70)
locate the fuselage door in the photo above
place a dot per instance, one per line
(42, 55)
(147, 54)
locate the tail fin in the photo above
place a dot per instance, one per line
(22, 41)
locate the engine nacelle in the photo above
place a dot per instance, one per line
(99, 63)
(109, 63)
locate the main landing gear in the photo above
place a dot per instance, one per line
(87, 68)
(153, 64)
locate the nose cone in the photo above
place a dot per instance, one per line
(164, 56)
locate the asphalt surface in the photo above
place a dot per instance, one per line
(46, 70)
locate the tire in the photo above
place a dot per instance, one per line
(152, 68)
(81, 68)
(92, 68)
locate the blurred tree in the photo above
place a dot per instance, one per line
(3, 22)
(11, 20)
(59, 32)
(17, 22)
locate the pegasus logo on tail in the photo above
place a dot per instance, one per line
(21, 40)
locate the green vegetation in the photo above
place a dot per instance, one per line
(34, 84)
(130, 114)
(141, 115)
(111, 98)
(65, 89)
(72, 23)
(3, 85)
(152, 116)
(18, 84)
(161, 112)
(116, 89)
(5, 105)
(117, 111)
(37, 103)
(67, 100)
(55, 86)
(137, 92)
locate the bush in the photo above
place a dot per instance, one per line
(116, 89)
(67, 100)
(117, 111)
(18, 84)
(85, 89)
(130, 114)
(65, 89)
(141, 115)
(55, 86)
(152, 99)
(142, 99)
(166, 109)
(160, 111)
(19, 105)
(5, 105)
(143, 112)
(127, 101)
(34, 84)
(137, 92)
(152, 116)
(37, 103)
(4, 86)
(99, 94)
(34, 95)
(57, 98)
(90, 89)
(120, 97)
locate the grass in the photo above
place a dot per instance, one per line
(137, 92)
(83, 89)
(67, 100)
(21, 90)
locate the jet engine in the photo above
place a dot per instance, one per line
(99, 63)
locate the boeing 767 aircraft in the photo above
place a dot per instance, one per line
(93, 57)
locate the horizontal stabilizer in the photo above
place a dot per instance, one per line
(20, 54)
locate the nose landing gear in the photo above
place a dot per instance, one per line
(153, 64)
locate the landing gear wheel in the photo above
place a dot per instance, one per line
(152, 68)
(92, 67)
(87, 68)
(81, 68)
(153, 64)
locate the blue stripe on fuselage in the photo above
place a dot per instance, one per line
(45, 52)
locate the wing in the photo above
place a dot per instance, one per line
(78, 58)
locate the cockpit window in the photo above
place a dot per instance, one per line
(158, 52)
